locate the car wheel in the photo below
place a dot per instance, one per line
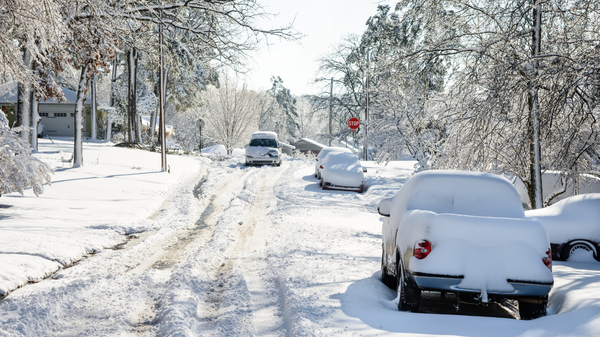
(387, 279)
(573, 247)
(529, 310)
(410, 295)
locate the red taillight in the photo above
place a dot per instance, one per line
(422, 249)
(548, 259)
(321, 166)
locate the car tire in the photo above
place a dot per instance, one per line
(410, 295)
(528, 310)
(572, 247)
(387, 279)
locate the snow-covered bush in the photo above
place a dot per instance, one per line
(18, 169)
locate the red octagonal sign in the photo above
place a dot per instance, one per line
(353, 123)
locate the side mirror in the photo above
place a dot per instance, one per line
(316, 159)
(385, 207)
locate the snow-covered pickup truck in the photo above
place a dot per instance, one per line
(464, 233)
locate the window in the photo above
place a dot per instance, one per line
(263, 142)
(43, 114)
(60, 114)
(72, 114)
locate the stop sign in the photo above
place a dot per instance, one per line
(353, 123)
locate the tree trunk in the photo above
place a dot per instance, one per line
(34, 117)
(112, 100)
(78, 127)
(23, 100)
(535, 169)
(132, 120)
(23, 107)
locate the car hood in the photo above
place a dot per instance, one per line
(261, 152)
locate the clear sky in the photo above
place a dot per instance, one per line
(323, 22)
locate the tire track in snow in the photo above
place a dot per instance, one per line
(247, 299)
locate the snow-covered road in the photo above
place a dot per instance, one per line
(263, 251)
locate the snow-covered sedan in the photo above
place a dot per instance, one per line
(342, 171)
(465, 233)
(263, 149)
(573, 226)
(323, 153)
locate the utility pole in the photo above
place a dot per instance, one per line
(366, 148)
(94, 108)
(161, 101)
(535, 152)
(330, 108)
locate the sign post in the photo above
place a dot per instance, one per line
(354, 123)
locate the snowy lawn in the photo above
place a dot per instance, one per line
(85, 210)
(226, 250)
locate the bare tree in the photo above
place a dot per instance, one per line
(231, 114)
(517, 65)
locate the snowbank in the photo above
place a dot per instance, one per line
(215, 149)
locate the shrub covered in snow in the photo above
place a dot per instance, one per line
(18, 169)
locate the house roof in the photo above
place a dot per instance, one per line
(8, 94)
(303, 141)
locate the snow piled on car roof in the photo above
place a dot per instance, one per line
(576, 217)
(459, 192)
(325, 151)
(264, 135)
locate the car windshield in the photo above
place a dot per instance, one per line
(263, 142)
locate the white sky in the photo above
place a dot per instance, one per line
(323, 22)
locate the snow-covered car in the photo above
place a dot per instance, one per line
(464, 233)
(342, 171)
(263, 149)
(573, 225)
(323, 153)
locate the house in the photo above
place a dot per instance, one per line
(305, 145)
(286, 148)
(146, 125)
(57, 118)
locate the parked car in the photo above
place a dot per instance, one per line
(465, 233)
(573, 225)
(323, 153)
(342, 171)
(263, 149)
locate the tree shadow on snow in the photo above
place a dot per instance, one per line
(374, 304)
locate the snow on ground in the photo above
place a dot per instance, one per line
(227, 250)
